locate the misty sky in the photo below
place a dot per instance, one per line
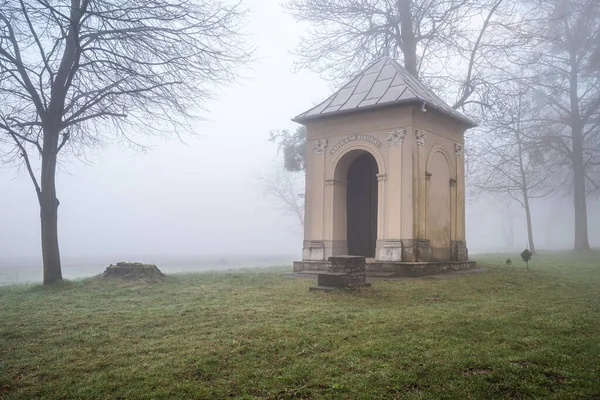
(198, 197)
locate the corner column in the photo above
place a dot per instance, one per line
(459, 244)
(313, 248)
(421, 245)
(389, 245)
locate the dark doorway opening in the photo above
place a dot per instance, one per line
(361, 206)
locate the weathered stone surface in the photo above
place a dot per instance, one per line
(332, 279)
(416, 269)
(343, 272)
(313, 251)
(423, 251)
(133, 271)
(394, 268)
(459, 251)
(354, 266)
(391, 251)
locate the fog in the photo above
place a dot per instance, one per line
(489, 225)
(197, 204)
(179, 199)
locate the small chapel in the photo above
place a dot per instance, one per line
(385, 176)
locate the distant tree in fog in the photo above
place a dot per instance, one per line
(84, 72)
(508, 162)
(507, 216)
(283, 183)
(287, 189)
(467, 50)
(563, 70)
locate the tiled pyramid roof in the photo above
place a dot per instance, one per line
(381, 84)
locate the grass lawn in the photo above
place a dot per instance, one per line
(509, 333)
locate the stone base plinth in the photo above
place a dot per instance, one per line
(313, 250)
(342, 272)
(354, 267)
(391, 269)
(416, 269)
(332, 279)
(459, 251)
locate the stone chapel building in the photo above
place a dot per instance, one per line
(385, 174)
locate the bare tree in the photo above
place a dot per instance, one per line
(285, 184)
(508, 163)
(287, 189)
(562, 69)
(447, 43)
(79, 73)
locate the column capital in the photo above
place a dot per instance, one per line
(459, 149)
(421, 137)
(396, 137)
(319, 146)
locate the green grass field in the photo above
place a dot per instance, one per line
(509, 333)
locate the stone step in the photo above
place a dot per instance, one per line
(373, 274)
(311, 272)
(380, 274)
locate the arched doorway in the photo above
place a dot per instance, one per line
(361, 205)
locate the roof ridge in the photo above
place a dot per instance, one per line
(342, 87)
(347, 99)
(409, 76)
(356, 76)
(403, 72)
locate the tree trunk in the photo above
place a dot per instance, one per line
(529, 224)
(50, 251)
(51, 126)
(579, 198)
(408, 40)
(524, 182)
(49, 205)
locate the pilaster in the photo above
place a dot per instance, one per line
(460, 192)
(421, 175)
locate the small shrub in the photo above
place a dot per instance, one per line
(508, 262)
(526, 256)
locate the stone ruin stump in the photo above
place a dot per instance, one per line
(344, 272)
(134, 271)
(354, 266)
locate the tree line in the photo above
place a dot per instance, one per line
(527, 70)
(78, 74)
